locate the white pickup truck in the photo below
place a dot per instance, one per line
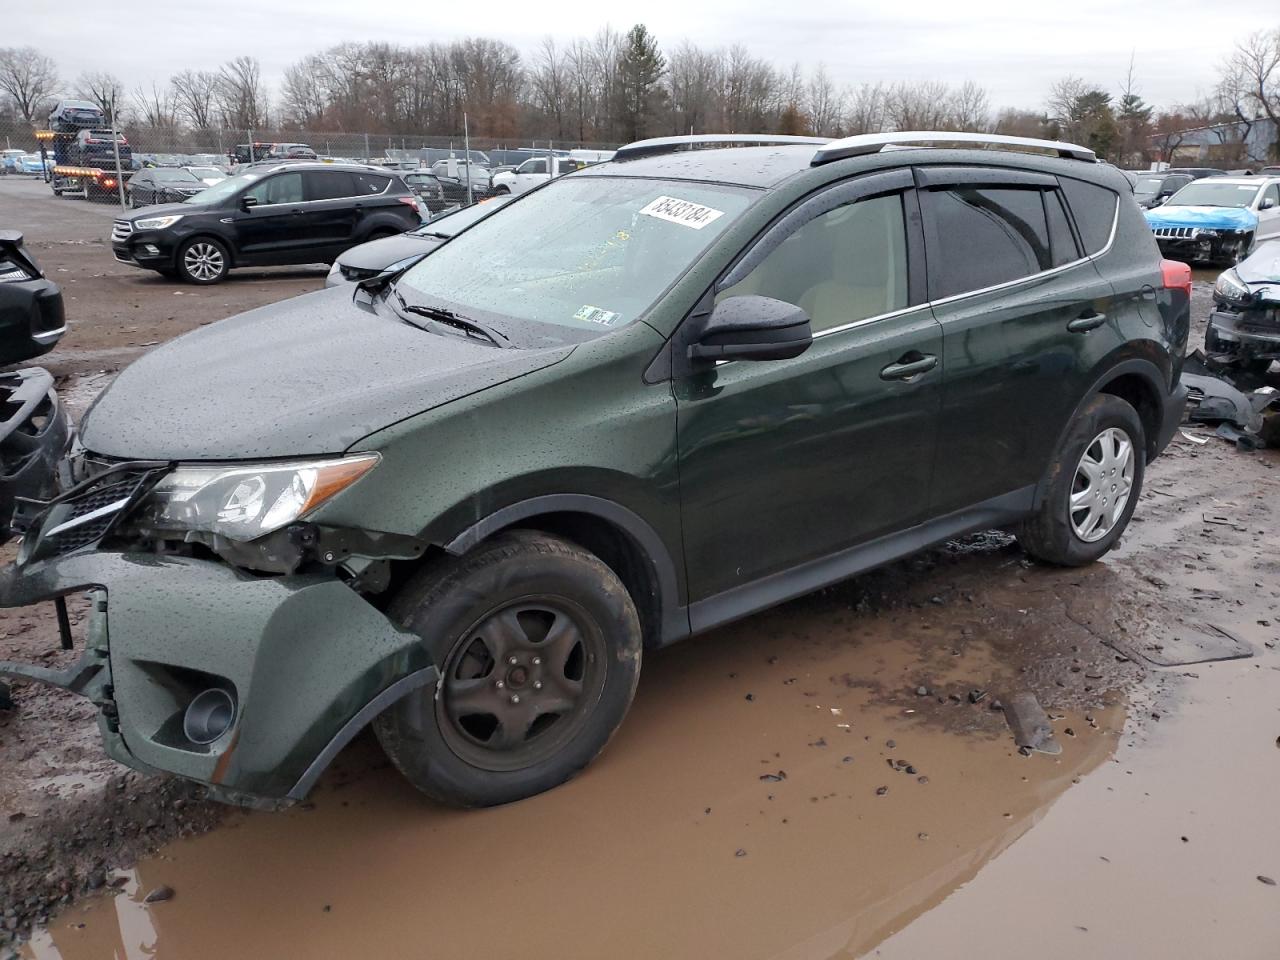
(531, 173)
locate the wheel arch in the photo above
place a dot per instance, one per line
(624, 541)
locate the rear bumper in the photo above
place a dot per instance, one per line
(306, 661)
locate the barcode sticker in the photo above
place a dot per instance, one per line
(590, 314)
(684, 212)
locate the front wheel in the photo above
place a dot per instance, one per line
(1093, 486)
(538, 645)
(203, 260)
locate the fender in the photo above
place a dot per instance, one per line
(1144, 368)
(675, 617)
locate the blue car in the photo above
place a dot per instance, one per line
(9, 160)
(31, 163)
(1217, 219)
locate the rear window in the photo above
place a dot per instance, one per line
(1094, 209)
(987, 236)
(367, 183)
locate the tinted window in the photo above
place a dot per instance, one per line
(1061, 242)
(848, 264)
(282, 188)
(329, 185)
(1094, 210)
(367, 183)
(986, 236)
(533, 166)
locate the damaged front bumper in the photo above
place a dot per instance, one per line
(1201, 244)
(1252, 333)
(304, 662)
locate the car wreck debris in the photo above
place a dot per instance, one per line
(1030, 724)
(1250, 420)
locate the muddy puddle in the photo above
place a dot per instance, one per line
(780, 790)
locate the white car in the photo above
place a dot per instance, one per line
(532, 173)
(1218, 219)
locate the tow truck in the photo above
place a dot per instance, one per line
(89, 158)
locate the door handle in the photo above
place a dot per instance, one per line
(1087, 322)
(908, 367)
(297, 213)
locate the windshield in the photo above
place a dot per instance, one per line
(1148, 187)
(1208, 193)
(175, 176)
(592, 254)
(221, 191)
(207, 173)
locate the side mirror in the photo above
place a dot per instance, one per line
(1266, 204)
(247, 201)
(753, 328)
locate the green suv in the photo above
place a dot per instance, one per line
(715, 373)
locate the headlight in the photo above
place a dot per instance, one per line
(157, 223)
(1230, 287)
(334, 268)
(247, 502)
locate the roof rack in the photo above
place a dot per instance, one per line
(648, 148)
(875, 142)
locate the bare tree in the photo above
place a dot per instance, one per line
(550, 83)
(154, 107)
(1255, 62)
(241, 98)
(918, 106)
(866, 109)
(1021, 123)
(28, 77)
(969, 108)
(104, 89)
(824, 104)
(195, 94)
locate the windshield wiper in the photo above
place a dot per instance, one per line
(450, 319)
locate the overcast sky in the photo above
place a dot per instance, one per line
(1005, 45)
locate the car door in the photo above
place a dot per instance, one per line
(331, 212)
(1269, 213)
(1023, 317)
(529, 174)
(268, 230)
(140, 189)
(788, 461)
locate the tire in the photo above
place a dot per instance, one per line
(501, 192)
(203, 260)
(1058, 534)
(1238, 251)
(484, 619)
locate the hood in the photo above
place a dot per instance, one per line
(1261, 266)
(379, 254)
(156, 210)
(311, 375)
(1216, 218)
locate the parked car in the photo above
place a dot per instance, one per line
(428, 156)
(1218, 219)
(10, 160)
(95, 146)
(395, 253)
(1153, 189)
(459, 504)
(431, 190)
(288, 213)
(162, 185)
(33, 163)
(533, 173)
(1245, 327)
(1269, 172)
(207, 175)
(32, 319)
(456, 173)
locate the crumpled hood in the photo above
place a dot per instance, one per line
(1262, 266)
(310, 375)
(1215, 218)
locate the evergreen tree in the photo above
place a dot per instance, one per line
(640, 70)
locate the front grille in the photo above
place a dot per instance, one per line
(120, 230)
(1176, 233)
(85, 517)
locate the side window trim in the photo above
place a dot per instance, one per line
(1084, 257)
(812, 207)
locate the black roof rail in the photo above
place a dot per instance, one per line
(875, 142)
(658, 145)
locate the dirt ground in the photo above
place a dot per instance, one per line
(832, 778)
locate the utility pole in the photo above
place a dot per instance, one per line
(115, 145)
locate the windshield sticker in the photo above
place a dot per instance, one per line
(590, 314)
(684, 212)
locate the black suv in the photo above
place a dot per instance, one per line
(290, 213)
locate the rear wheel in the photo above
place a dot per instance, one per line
(538, 646)
(203, 260)
(1093, 486)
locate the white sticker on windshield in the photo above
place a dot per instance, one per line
(684, 212)
(590, 314)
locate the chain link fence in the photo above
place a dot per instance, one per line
(86, 157)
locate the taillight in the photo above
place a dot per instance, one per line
(1176, 275)
(409, 201)
(109, 182)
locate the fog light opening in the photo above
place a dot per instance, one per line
(208, 716)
